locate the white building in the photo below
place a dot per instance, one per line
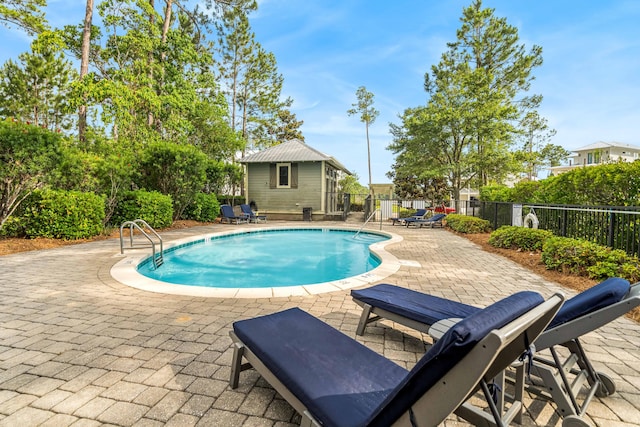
(599, 153)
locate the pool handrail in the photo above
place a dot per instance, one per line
(158, 260)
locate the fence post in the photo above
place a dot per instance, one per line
(612, 228)
(565, 220)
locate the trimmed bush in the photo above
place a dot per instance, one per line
(179, 171)
(13, 227)
(589, 259)
(467, 224)
(512, 237)
(205, 208)
(151, 206)
(63, 215)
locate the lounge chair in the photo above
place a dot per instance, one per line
(420, 214)
(428, 222)
(581, 314)
(333, 380)
(251, 215)
(227, 214)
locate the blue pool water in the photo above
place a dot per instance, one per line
(269, 258)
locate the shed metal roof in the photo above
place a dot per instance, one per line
(293, 150)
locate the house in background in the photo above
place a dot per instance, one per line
(293, 181)
(599, 153)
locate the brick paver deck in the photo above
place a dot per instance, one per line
(77, 348)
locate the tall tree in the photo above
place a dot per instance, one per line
(151, 73)
(259, 98)
(477, 95)
(489, 43)
(536, 151)
(25, 14)
(37, 88)
(236, 43)
(286, 127)
(84, 66)
(368, 115)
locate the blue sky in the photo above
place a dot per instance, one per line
(326, 49)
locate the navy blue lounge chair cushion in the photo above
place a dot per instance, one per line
(436, 219)
(599, 296)
(338, 379)
(418, 306)
(450, 349)
(342, 382)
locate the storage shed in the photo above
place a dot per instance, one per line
(293, 181)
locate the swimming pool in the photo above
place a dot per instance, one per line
(266, 265)
(272, 258)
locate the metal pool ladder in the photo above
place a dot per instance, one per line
(365, 222)
(140, 224)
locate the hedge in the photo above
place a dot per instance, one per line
(63, 215)
(513, 237)
(151, 206)
(205, 208)
(585, 258)
(467, 224)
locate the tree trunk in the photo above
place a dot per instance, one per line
(369, 157)
(163, 42)
(152, 20)
(84, 67)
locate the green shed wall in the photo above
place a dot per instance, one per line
(286, 200)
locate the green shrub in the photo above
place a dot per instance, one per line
(179, 171)
(512, 237)
(496, 193)
(467, 224)
(585, 258)
(28, 154)
(63, 215)
(205, 208)
(13, 227)
(151, 206)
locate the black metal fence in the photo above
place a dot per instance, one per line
(615, 226)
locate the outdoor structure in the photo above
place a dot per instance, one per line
(383, 191)
(293, 181)
(599, 153)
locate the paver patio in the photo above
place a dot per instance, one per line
(77, 348)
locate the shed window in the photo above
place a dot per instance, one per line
(284, 175)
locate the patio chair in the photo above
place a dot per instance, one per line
(227, 214)
(420, 214)
(251, 215)
(437, 219)
(333, 380)
(586, 312)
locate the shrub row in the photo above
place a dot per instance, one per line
(512, 237)
(572, 256)
(76, 215)
(151, 206)
(589, 259)
(610, 184)
(62, 215)
(467, 224)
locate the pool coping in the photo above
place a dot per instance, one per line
(125, 272)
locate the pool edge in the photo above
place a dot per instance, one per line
(124, 271)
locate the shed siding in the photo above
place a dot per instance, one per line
(286, 200)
